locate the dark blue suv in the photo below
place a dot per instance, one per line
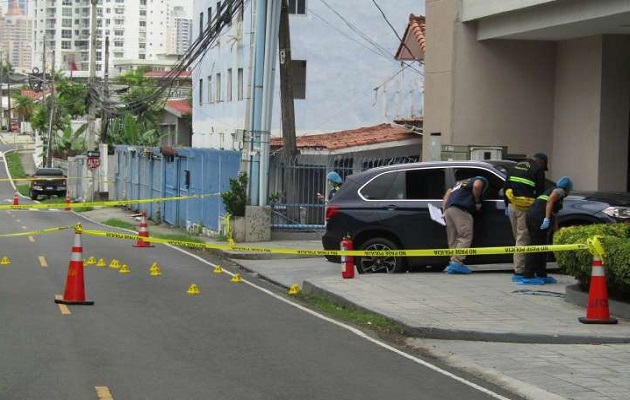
(387, 208)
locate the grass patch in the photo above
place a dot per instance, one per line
(182, 237)
(117, 223)
(16, 170)
(361, 318)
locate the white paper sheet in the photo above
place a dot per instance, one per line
(436, 214)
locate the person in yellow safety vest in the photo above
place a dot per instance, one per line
(524, 183)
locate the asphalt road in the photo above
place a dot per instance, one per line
(146, 338)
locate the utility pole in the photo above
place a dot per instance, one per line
(105, 111)
(286, 82)
(51, 101)
(92, 78)
(1, 80)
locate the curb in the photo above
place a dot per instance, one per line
(577, 296)
(468, 335)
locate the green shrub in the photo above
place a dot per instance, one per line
(616, 242)
(235, 199)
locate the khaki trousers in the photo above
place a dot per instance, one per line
(518, 220)
(459, 230)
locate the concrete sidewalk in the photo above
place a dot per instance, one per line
(524, 338)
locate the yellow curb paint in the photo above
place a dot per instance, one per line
(62, 307)
(103, 393)
(42, 262)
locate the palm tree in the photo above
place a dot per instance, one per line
(24, 107)
(6, 70)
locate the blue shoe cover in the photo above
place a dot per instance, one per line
(548, 279)
(531, 281)
(517, 277)
(454, 268)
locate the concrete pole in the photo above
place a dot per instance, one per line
(92, 78)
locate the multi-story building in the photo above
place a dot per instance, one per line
(16, 37)
(345, 75)
(137, 30)
(180, 35)
(535, 75)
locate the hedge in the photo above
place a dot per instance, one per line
(615, 239)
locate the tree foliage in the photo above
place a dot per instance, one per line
(235, 199)
(138, 125)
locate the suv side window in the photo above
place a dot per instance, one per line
(385, 186)
(425, 184)
(496, 183)
(415, 184)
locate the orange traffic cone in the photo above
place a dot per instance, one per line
(16, 200)
(597, 306)
(74, 292)
(143, 232)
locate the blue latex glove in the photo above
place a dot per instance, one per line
(507, 212)
(545, 224)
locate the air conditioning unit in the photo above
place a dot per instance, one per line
(485, 153)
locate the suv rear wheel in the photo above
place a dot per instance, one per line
(388, 264)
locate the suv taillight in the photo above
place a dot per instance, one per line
(331, 211)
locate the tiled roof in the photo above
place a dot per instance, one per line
(383, 133)
(33, 95)
(182, 107)
(414, 42)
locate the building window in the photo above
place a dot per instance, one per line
(218, 86)
(200, 24)
(200, 91)
(239, 84)
(228, 86)
(298, 67)
(297, 7)
(210, 100)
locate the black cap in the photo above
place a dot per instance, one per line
(543, 158)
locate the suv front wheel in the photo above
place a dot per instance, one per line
(386, 264)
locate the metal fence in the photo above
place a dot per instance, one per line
(296, 181)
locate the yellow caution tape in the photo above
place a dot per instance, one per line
(369, 253)
(108, 203)
(595, 247)
(38, 232)
(43, 178)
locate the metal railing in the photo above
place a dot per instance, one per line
(298, 187)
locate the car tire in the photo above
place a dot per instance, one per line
(388, 264)
(32, 195)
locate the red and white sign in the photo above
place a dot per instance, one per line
(94, 162)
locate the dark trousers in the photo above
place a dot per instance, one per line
(536, 263)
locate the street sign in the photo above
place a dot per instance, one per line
(93, 162)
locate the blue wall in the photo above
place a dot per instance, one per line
(142, 174)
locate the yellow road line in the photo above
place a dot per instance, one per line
(42, 262)
(103, 393)
(31, 238)
(62, 307)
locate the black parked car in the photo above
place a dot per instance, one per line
(48, 182)
(387, 208)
